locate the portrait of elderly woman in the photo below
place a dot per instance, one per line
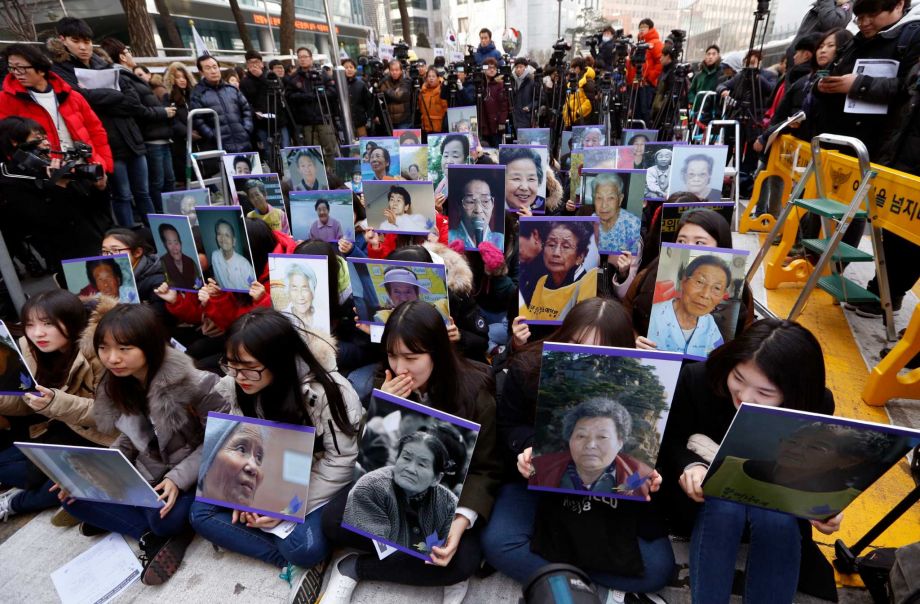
(231, 466)
(405, 503)
(306, 169)
(475, 211)
(596, 431)
(684, 323)
(111, 276)
(619, 228)
(570, 257)
(525, 178)
(182, 272)
(699, 171)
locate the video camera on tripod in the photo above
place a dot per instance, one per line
(560, 49)
(372, 69)
(33, 162)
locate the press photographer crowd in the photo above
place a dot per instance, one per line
(226, 255)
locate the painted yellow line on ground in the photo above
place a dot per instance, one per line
(846, 376)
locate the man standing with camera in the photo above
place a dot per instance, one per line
(256, 88)
(647, 56)
(605, 53)
(397, 90)
(312, 98)
(458, 90)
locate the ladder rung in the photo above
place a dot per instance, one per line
(843, 253)
(827, 208)
(845, 290)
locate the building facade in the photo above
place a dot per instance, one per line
(728, 23)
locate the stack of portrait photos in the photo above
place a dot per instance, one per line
(304, 168)
(185, 202)
(261, 197)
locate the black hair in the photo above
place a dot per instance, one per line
(113, 47)
(442, 459)
(455, 382)
(647, 21)
(276, 343)
(506, 156)
(71, 27)
(261, 243)
(633, 138)
(202, 59)
(253, 54)
(165, 226)
(710, 221)
(872, 7)
(319, 202)
(708, 260)
(485, 30)
(66, 312)
(132, 325)
(31, 53)
(582, 231)
(309, 52)
(714, 46)
(142, 68)
(274, 63)
(406, 137)
(129, 238)
(14, 131)
(244, 159)
(785, 352)
(386, 155)
(92, 265)
(348, 60)
(456, 136)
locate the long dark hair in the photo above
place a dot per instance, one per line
(455, 382)
(313, 247)
(261, 243)
(270, 338)
(788, 355)
(132, 325)
(67, 313)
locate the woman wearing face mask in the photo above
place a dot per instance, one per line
(422, 365)
(279, 373)
(159, 402)
(775, 363)
(58, 349)
(623, 546)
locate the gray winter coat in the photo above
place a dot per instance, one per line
(165, 443)
(233, 110)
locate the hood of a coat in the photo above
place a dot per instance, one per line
(459, 273)
(588, 75)
(553, 191)
(528, 72)
(60, 54)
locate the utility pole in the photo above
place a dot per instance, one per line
(341, 81)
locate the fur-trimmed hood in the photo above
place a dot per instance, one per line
(459, 273)
(60, 54)
(553, 192)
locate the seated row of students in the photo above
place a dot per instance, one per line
(109, 376)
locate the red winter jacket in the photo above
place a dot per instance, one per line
(226, 307)
(82, 123)
(651, 69)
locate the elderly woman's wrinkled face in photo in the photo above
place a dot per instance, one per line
(307, 169)
(378, 161)
(225, 238)
(521, 184)
(414, 470)
(560, 253)
(607, 200)
(401, 292)
(236, 472)
(300, 293)
(257, 199)
(187, 205)
(105, 280)
(696, 177)
(702, 291)
(592, 138)
(322, 212)
(594, 444)
(638, 147)
(452, 153)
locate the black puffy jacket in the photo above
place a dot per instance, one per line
(232, 109)
(154, 123)
(360, 100)
(303, 93)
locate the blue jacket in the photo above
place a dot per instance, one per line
(232, 108)
(484, 52)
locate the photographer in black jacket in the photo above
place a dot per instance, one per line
(604, 56)
(307, 92)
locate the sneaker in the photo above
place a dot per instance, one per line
(63, 519)
(6, 503)
(633, 598)
(90, 530)
(339, 588)
(162, 556)
(873, 310)
(305, 589)
(454, 594)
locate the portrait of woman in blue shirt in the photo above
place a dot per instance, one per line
(685, 324)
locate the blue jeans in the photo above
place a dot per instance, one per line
(129, 183)
(17, 471)
(134, 521)
(772, 570)
(160, 174)
(362, 379)
(306, 546)
(506, 545)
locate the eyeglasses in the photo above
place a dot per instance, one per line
(19, 69)
(115, 250)
(701, 285)
(249, 374)
(471, 200)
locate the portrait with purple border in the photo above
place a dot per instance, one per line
(697, 299)
(533, 136)
(379, 286)
(16, 378)
(111, 275)
(175, 245)
(409, 450)
(600, 417)
(226, 245)
(559, 262)
(805, 464)
(256, 465)
(526, 168)
(672, 213)
(476, 205)
(405, 207)
(615, 197)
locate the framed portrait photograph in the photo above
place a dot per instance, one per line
(240, 164)
(805, 464)
(299, 287)
(616, 198)
(92, 473)
(349, 170)
(601, 413)
(475, 205)
(304, 168)
(588, 136)
(175, 245)
(256, 465)
(413, 162)
(444, 150)
(408, 136)
(559, 262)
(351, 150)
(525, 176)
(426, 459)
(630, 134)
(323, 215)
(226, 245)
(462, 119)
(698, 169)
(697, 298)
(261, 197)
(380, 158)
(184, 202)
(112, 276)
(590, 157)
(16, 378)
(533, 136)
(671, 214)
(400, 206)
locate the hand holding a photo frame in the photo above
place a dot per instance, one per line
(39, 403)
(169, 495)
(441, 555)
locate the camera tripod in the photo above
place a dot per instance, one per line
(275, 104)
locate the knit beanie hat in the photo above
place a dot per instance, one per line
(492, 257)
(216, 432)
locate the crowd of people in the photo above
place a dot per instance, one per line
(110, 372)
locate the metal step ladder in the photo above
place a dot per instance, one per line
(732, 169)
(192, 158)
(835, 218)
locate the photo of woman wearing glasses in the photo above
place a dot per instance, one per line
(475, 206)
